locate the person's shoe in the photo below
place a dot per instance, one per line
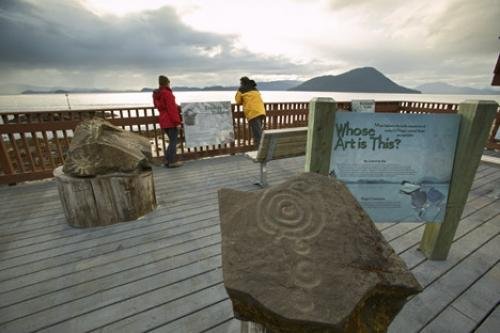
(174, 165)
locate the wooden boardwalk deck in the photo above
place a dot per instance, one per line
(163, 273)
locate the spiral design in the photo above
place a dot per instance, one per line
(304, 275)
(302, 301)
(300, 186)
(289, 213)
(297, 213)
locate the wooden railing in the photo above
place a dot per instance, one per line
(32, 144)
(425, 107)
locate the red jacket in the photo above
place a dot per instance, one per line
(164, 101)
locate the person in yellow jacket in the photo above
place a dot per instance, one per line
(253, 107)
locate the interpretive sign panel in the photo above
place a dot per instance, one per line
(363, 105)
(398, 166)
(207, 123)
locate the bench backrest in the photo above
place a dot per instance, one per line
(282, 143)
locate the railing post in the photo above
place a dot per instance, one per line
(5, 162)
(320, 134)
(475, 125)
(492, 144)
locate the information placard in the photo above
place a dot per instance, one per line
(363, 105)
(398, 166)
(207, 123)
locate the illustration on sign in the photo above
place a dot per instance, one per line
(398, 166)
(207, 123)
(363, 105)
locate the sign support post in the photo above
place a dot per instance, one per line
(475, 125)
(320, 134)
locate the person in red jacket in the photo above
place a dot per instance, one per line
(170, 119)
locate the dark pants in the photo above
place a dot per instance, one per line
(170, 154)
(256, 124)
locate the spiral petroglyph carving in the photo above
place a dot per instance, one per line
(302, 301)
(290, 213)
(304, 275)
(294, 213)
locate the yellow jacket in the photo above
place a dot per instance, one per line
(253, 106)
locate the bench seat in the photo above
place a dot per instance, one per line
(277, 144)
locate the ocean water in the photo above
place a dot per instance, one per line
(42, 102)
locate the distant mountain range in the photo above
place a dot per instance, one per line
(73, 91)
(448, 89)
(279, 85)
(182, 88)
(365, 79)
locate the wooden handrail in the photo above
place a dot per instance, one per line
(33, 143)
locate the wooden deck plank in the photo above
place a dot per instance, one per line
(161, 194)
(181, 178)
(200, 320)
(408, 245)
(422, 309)
(192, 313)
(404, 236)
(178, 256)
(66, 231)
(12, 212)
(41, 301)
(41, 221)
(87, 313)
(471, 307)
(75, 241)
(87, 286)
(482, 297)
(492, 323)
(113, 256)
(210, 199)
(136, 266)
(450, 321)
(490, 175)
(429, 271)
(20, 256)
(32, 263)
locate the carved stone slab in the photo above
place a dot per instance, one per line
(304, 257)
(98, 147)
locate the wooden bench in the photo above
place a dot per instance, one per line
(276, 144)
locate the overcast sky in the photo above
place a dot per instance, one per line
(125, 44)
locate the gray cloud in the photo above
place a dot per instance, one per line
(65, 36)
(467, 27)
(342, 4)
(62, 43)
(459, 45)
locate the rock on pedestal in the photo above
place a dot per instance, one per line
(98, 148)
(105, 199)
(303, 256)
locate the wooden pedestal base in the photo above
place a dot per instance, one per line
(105, 199)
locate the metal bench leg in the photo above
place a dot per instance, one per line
(263, 174)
